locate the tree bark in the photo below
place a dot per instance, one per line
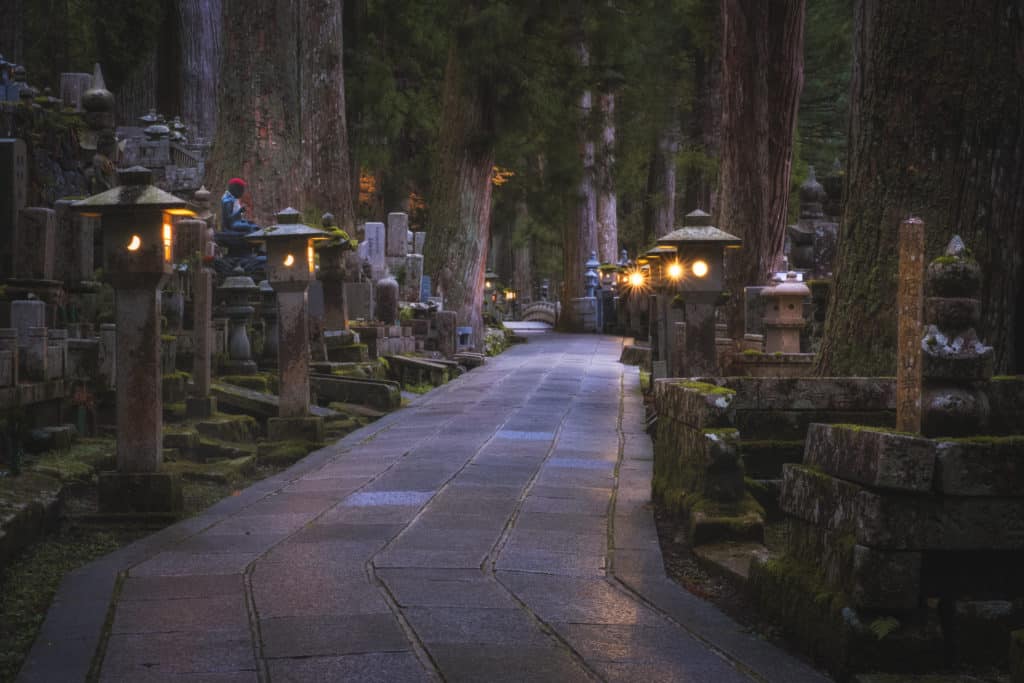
(460, 198)
(581, 234)
(324, 132)
(202, 25)
(258, 125)
(522, 253)
(938, 133)
(607, 199)
(661, 181)
(762, 76)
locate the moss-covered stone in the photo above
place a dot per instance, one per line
(236, 428)
(222, 472)
(256, 382)
(284, 453)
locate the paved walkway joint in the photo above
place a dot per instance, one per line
(499, 529)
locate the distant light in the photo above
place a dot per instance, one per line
(167, 242)
(487, 284)
(135, 243)
(289, 260)
(700, 268)
(636, 279)
(675, 270)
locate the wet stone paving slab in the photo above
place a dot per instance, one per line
(498, 529)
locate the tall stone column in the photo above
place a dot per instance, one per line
(139, 404)
(293, 352)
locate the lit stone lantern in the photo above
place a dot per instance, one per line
(290, 268)
(698, 276)
(137, 222)
(784, 314)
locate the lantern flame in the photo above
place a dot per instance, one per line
(675, 271)
(135, 243)
(700, 268)
(289, 260)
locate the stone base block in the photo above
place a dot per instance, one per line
(715, 528)
(200, 406)
(295, 429)
(352, 353)
(157, 493)
(825, 626)
(886, 580)
(872, 457)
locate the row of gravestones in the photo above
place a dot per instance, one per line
(393, 249)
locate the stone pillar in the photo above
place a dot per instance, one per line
(447, 341)
(35, 244)
(954, 361)
(139, 401)
(268, 308)
(909, 306)
(413, 277)
(701, 357)
(293, 353)
(387, 301)
(201, 404)
(9, 350)
(397, 234)
(26, 314)
(679, 349)
(419, 239)
(332, 278)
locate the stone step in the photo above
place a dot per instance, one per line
(730, 559)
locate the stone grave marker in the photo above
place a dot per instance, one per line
(397, 234)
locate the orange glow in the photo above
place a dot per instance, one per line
(289, 261)
(188, 213)
(135, 243)
(675, 270)
(700, 268)
(500, 176)
(311, 257)
(167, 242)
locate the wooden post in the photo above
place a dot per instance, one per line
(910, 311)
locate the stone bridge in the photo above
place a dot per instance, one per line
(541, 311)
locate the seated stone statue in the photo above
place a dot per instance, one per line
(233, 230)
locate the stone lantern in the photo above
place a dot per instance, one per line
(784, 314)
(137, 221)
(698, 276)
(290, 268)
(238, 290)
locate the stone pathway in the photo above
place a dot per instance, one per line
(496, 530)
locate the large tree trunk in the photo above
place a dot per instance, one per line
(258, 128)
(522, 253)
(661, 181)
(939, 133)
(324, 131)
(460, 199)
(705, 129)
(762, 76)
(201, 27)
(607, 200)
(281, 108)
(581, 233)
(12, 31)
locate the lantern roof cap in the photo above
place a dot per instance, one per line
(239, 281)
(659, 251)
(136, 191)
(697, 230)
(288, 225)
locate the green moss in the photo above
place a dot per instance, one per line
(284, 453)
(419, 388)
(705, 388)
(223, 471)
(724, 432)
(177, 376)
(1012, 440)
(752, 352)
(645, 381)
(258, 383)
(168, 338)
(870, 428)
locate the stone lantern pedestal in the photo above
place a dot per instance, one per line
(137, 220)
(239, 289)
(289, 271)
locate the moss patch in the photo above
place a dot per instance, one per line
(80, 462)
(285, 453)
(705, 388)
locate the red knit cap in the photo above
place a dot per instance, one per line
(237, 181)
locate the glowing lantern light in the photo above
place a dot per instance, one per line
(675, 270)
(135, 243)
(700, 268)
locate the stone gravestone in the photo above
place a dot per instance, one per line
(397, 234)
(387, 301)
(425, 286)
(375, 241)
(413, 277)
(360, 301)
(13, 193)
(74, 256)
(35, 244)
(418, 241)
